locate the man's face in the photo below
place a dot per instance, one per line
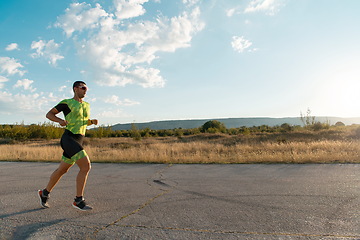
(81, 90)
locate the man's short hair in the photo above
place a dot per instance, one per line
(77, 83)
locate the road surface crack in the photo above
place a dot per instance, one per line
(155, 178)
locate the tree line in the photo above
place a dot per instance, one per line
(53, 131)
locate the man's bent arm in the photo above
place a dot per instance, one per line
(51, 115)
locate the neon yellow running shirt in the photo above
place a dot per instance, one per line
(76, 114)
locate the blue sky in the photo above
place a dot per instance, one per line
(146, 60)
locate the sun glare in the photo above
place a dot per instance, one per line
(339, 93)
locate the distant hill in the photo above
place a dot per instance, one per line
(231, 122)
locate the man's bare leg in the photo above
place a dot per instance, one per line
(54, 179)
(85, 166)
(57, 174)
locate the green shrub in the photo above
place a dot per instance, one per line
(135, 133)
(213, 126)
(317, 126)
(285, 127)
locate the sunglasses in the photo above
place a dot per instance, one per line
(83, 87)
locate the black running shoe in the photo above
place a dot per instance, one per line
(43, 199)
(81, 205)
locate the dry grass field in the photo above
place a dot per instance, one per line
(330, 146)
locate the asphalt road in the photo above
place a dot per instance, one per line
(155, 201)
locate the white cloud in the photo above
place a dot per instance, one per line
(128, 9)
(191, 2)
(115, 100)
(120, 52)
(2, 80)
(230, 12)
(177, 32)
(118, 113)
(6, 97)
(47, 50)
(51, 95)
(80, 16)
(26, 84)
(10, 66)
(270, 7)
(148, 77)
(23, 103)
(62, 88)
(240, 44)
(128, 102)
(91, 100)
(12, 46)
(253, 50)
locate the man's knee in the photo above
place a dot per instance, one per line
(84, 164)
(87, 168)
(62, 170)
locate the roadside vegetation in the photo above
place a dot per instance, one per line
(47, 131)
(314, 142)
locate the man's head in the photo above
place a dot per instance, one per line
(78, 83)
(80, 88)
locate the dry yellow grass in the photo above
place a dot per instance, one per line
(197, 149)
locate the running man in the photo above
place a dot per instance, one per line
(76, 112)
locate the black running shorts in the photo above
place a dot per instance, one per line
(72, 146)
